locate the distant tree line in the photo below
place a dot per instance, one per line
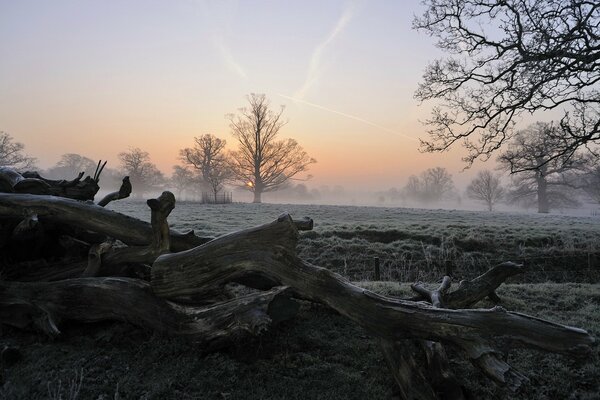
(540, 176)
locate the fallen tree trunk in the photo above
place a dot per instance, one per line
(270, 249)
(129, 230)
(263, 256)
(45, 305)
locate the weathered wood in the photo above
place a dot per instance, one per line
(160, 208)
(77, 188)
(304, 224)
(89, 216)
(408, 373)
(28, 228)
(45, 306)
(436, 366)
(12, 181)
(123, 192)
(270, 249)
(95, 259)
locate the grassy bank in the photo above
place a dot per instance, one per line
(319, 355)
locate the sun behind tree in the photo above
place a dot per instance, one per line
(262, 163)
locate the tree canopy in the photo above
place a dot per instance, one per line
(507, 59)
(262, 162)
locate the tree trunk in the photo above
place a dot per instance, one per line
(542, 194)
(257, 196)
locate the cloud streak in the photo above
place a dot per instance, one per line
(343, 114)
(314, 66)
(229, 60)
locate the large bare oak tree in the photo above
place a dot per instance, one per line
(508, 58)
(263, 163)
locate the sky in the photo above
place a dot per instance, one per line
(99, 77)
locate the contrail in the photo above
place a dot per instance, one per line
(364, 121)
(315, 60)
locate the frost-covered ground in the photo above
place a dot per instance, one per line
(413, 243)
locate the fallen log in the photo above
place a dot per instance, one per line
(45, 305)
(270, 250)
(89, 216)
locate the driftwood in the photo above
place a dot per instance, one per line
(45, 305)
(30, 182)
(270, 249)
(129, 230)
(123, 192)
(189, 293)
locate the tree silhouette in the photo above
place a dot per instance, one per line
(183, 180)
(433, 185)
(208, 157)
(540, 168)
(143, 174)
(71, 165)
(262, 163)
(507, 58)
(11, 154)
(486, 187)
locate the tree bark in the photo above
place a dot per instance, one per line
(542, 194)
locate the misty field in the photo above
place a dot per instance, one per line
(413, 244)
(320, 354)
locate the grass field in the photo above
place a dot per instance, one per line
(320, 354)
(414, 244)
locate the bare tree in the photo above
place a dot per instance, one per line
(11, 153)
(143, 174)
(263, 163)
(183, 179)
(208, 157)
(541, 169)
(70, 165)
(486, 187)
(433, 185)
(508, 58)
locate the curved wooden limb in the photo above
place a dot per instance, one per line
(129, 230)
(470, 292)
(435, 297)
(45, 305)
(270, 249)
(123, 192)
